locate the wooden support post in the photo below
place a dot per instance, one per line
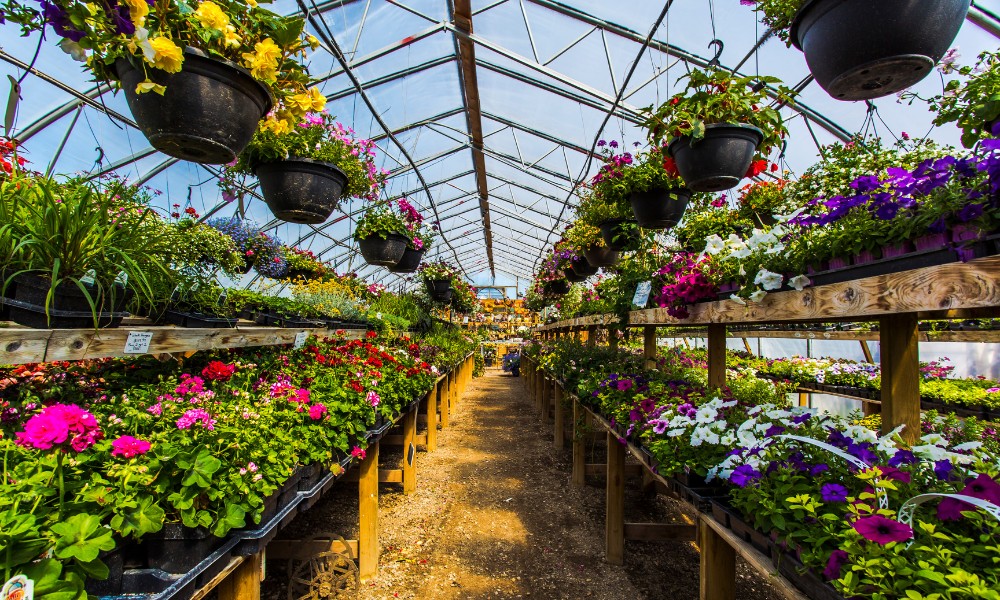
(614, 524)
(244, 582)
(900, 375)
(718, 564)
(591, 336)
(649, 345)
(432, 419)
(866, 351)
(543, 408)
(716, 355)
(368, 513)
(444, 394)
(746, 344)
(612, 338)
(560, 419)
(410, 452)
(579, 449)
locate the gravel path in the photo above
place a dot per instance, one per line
(494, 516)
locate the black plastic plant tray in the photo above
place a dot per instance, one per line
(32, 315)
(198, 320)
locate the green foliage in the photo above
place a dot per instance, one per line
(974, 104)
(778, 15)
(380, 220)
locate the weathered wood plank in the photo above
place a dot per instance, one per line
(900, 375)
(614, 524)
(19, 346)
(244, 582)
(718, 564)
(368, 514)
(579, 473)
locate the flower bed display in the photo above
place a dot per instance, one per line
(808, 489)
(113, 453)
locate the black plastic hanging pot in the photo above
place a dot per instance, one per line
(619, 234)
(300, 190)
(864, 49)
(582, 267)
(719, 160)
(572, 276)
(383, 252)
(410, 261)
(659, 208)
(559, 287)
(207, 114)
(601, 256)
(440, 289)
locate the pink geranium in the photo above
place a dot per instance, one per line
(373, 398)
(357, 452)
(316, 411)
(58, 424)
(195, 416)
(127, 446)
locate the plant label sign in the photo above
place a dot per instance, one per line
(300, 339)
(642, 294)
(138, 342)
(18, 587)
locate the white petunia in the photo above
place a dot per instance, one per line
(706, 414)
(968, 446)
(799, 282)
(934, 438)
(75, 50)
(714, 244)
(757, 296)
(738, 300)
(769, 280)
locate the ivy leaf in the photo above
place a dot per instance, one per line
(82, 537)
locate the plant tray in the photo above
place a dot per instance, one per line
(33, 315)
(198, 320)
(804, 579)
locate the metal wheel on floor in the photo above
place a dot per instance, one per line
(323, 575)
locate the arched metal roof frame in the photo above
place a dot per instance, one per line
(539, 75)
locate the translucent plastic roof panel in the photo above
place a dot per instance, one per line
(547, 73)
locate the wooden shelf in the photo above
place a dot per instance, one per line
(18, 346)
(983, 336)
(955, 290)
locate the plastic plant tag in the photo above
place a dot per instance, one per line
(642, 294)
(18, 587)
(90, 278)
(138, 342)
(122, 279)
(300, 339)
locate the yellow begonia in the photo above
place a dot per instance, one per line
(263, 62)
(312, 41)
(277, 126)
(137, 10)
(318, 99)
(166, 54)
(231, 39)
(252, 3)
(210, 15)
(299, 103)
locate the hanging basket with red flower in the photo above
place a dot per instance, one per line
(719, 128)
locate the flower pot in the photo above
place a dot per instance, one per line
(440, 290)
(572, 276)
(557, 287)
(965, 232)
(177, 549)
(897, 250)
(208, 113)
(839, 263)
(599, 256)
(381, 252)
(197, 320)
(659, 208)
(409, 263)
(865, 257)
(718, 161)
(618, 234)
(300, 190)
(817, 267)
(248, 263)
(930, 241)
(515, 371)
(860, 50)
(68, 309)
(581, 266)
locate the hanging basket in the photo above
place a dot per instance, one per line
(620, 234)
(440, 290)
(865, 49)
(719, 160)
(208, 113)
(300, 190)
(383, 252)
(601, 256)
(410, 261)
(558, 287)
(573, 277)
(582, 267)
(659, 208)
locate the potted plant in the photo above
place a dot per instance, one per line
(197, 303)
(552, 273)
(256, 247)
(199, 78)
(382, 235)
(762, 201)
(972, 105)
(860, 50)
(605, 203)
(420, 238)
(304, 170)
(589, 240)
(464, 298)
(78, 250)
(719, 129)
(302, 264)
(438, 278)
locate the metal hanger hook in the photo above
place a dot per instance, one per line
(718, 52)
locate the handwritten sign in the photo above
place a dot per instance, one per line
(642, 294)
(138, 342)
(300, 339)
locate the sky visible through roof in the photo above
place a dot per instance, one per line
(547, 73)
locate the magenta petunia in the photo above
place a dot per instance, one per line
(838, 558)
(127, 446)
(882, 530)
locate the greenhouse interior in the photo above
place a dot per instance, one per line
(490, 299)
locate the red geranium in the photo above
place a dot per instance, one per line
(218, 371)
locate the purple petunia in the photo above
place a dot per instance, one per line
(838, 558)
(833, 492)
(882, 530)
(744, 475)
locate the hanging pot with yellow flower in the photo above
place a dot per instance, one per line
(197, 76)
(306, 167)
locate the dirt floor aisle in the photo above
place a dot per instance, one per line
(495, 516)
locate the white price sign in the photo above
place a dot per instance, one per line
(300, 339)
(642, 294)
(138, 342)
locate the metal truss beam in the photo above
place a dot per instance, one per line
(530, 131)
(391, 77)
(461, 12)
(384, 51)
(423, 161)
(418, 124)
